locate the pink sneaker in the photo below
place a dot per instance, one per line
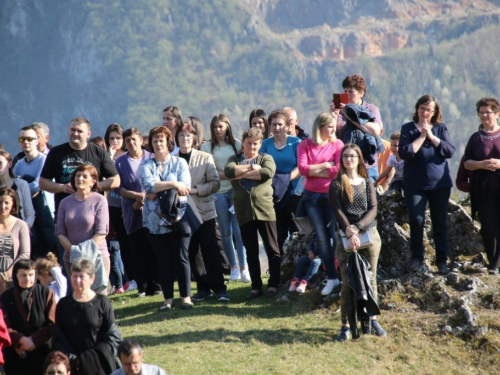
(119, 290)
(302, 287)
(125, 286)
(294, 284)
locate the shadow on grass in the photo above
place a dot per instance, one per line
(316, 336)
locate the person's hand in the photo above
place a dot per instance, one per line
(137, 206)
(351, 229)
(334, 110)
(427, 130)
(66, 188)
(354, 243)
(491, 164)
(26, 343)
(194, 191)
(256, 167)
(151, 196)
(182, 188)
(112, 151)
(312, 256)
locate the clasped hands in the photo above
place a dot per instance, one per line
(351, 233)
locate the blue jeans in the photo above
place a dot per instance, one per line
(302, 263)
(229, 228)
(416, 200)
(321, 214)
(372, 173)
(116, 276)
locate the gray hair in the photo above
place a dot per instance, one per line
(42, 126)
(83, 265)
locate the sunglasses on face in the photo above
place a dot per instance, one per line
(24, 139)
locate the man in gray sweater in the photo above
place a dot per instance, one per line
(130, 353)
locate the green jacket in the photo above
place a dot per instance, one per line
(258, 203)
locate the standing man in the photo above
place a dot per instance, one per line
(130, 353)
(63, 159)
(294, 129)
(29, 168)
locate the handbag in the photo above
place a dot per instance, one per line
(365, 239)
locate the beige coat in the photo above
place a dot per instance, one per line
(205, 178)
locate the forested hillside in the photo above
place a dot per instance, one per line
(124, 61)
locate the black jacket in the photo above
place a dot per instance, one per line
(362, 303)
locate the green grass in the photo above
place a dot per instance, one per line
(291, 336)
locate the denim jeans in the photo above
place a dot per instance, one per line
(302, 263)
(372, 173)
(116, 275)
(321, 214)
(416, 200)
(229, 228)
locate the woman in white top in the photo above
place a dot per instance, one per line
(222, 145)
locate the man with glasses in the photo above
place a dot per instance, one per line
(29, 168)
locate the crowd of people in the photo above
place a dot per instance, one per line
(97, 216)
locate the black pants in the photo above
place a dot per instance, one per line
(416, 200)
(267, 230)
(44, 237)
(146, 265)
(207, 269)
(171, 250)
(116, 218)
(489, 215)
(284, 225)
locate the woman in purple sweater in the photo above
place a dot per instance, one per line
(132, 202)
(482, 158)
(84, 215)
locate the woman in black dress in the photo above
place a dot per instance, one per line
(29, 311)
(85, 327)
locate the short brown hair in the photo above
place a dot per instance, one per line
(190, 128)
(252, 133)
(7, 191)
(155, 132)
(130, 132)
(356, 82)
(488, 102)
(83, 265)
(395, 136)
(85, 168)
(80, 120)
(279, 114)
(55, 358)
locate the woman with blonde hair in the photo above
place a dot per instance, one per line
(354, 202)
(318, 159)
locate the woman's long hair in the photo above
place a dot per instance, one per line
(229, 139)
(342, 178)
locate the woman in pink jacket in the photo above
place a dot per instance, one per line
(318, 159)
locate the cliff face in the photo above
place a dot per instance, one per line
(349, 29)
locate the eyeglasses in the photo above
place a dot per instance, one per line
(485, 113)
(426, 110)
(349, 157)
(24, 139)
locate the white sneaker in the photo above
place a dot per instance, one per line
(132, 285)
(330, 286)
(235, 274)
(245, 276)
